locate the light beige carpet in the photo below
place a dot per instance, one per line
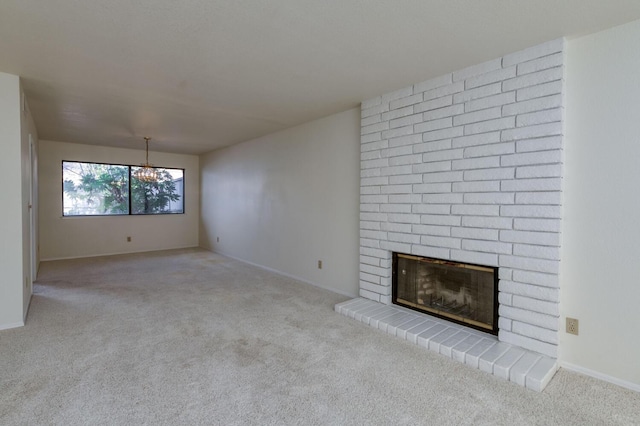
(190, 337)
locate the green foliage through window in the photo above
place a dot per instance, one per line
(109, 189)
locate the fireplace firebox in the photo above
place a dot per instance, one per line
(460, 292)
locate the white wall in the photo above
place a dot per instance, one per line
(69, 237)
(13, 280)
(289, 199)
(600, 275)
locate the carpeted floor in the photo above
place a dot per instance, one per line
(190, 337)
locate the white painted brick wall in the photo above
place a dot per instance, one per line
(525, 237)
(476, 233)
(434, 104)
(528, 290)
(545, 62)
(487, 246)
(538, 333)
(396, 227)
(490, 101)
(536, 305)
(477, 257)
(473, 140)
(490, 173)
(403, 160)
(395, 208)
(478, 92)
(432, 230)
(533, 53)
(443, 91)
(533, 105)
(475, 209)
(548, 225)
(476, 116)
(490, 198)
(487, 150)
(433, 146)
(546, 89)
(431, 208)
(447, 242)
(505, 299)
(468, 167)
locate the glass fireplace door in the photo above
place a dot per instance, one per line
(460, 292)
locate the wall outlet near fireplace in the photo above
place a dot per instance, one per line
(319, 264)
(128, 239)
(572, 326)
(217, 239)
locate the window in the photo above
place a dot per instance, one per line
(91, 189)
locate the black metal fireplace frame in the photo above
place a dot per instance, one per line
(394, 290)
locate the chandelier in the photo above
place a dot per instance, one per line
(146, 172)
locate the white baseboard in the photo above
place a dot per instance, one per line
(12, 325)
(601, 376)
(275, 271)
(115, 254)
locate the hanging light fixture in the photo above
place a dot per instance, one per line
(146, 172)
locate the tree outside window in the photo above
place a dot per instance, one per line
(109, 189)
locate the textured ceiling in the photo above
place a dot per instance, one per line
(196, 75)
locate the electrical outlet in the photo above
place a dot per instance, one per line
(572, 326)
(319, 264)
(128, 239)
(217, 239)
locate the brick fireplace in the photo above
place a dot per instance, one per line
(467, 167)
